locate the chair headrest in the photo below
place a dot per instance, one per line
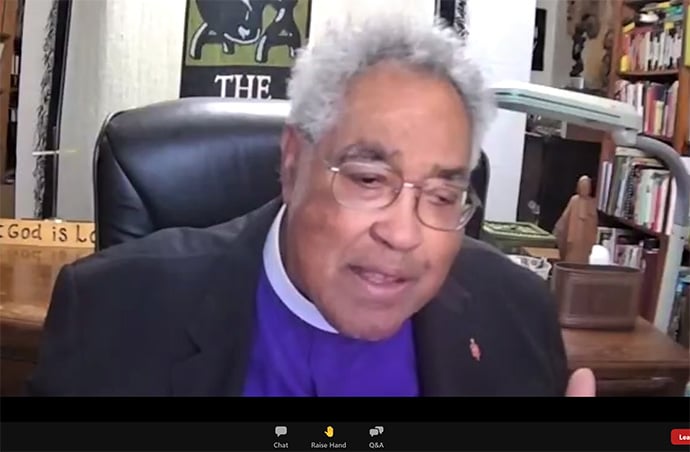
(193, 162)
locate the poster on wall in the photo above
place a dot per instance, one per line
(539, 40)
(242, 49)
(454, 13)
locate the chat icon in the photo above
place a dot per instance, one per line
(376, 431)
(281, 430)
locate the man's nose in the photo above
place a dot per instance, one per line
(398, 226)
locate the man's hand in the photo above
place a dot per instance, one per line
(581, 384)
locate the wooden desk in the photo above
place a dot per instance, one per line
(27, 275)
(640, 362)
(643, 361)
(550, 254)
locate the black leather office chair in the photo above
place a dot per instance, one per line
(193, 162)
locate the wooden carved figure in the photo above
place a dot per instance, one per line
(576, 229)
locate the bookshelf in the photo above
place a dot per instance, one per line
(650, 70)
(10, 39)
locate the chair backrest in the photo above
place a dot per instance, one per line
(480, 181)
(193, 162)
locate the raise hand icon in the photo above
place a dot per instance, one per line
(329, 431)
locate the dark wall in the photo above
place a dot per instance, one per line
(551, 167)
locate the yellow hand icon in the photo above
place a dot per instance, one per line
(329, 431)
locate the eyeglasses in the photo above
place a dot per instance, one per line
(442, 204)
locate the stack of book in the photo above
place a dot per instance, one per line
(656, 102)
(654, 41)
(636, 188)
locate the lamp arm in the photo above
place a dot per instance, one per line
(681, 219)
(664, 152)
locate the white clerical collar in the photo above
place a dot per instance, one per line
(283, 287)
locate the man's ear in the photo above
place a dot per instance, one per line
(289, 156)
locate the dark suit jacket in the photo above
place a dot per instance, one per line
(172, 314)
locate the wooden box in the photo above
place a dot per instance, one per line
(596, 296)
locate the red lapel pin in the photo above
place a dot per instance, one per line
(475, 350)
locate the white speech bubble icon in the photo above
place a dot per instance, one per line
(376, 431)
(281, 430)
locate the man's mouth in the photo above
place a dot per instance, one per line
(378, 277)
(381, 277)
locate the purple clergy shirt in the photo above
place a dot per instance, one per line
(292, 358)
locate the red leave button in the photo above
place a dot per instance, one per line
(680, 436)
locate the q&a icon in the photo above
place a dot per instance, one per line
(376, 431)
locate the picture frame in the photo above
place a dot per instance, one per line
(539, 40)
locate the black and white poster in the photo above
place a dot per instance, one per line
(539, 40)
(242, 49)
(454, 12)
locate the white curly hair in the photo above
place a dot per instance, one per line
(347, 49)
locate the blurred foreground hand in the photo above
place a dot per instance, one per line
(581, 384)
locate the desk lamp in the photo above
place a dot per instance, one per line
(624, 124)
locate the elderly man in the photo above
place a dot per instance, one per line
(357, 282)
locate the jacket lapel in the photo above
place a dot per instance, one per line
(444, 331)
(222, 331)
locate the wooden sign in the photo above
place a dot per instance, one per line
(42, 256)
(53, 233)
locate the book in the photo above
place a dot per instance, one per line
(635, 188)
(656, 102)
(656, 45)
